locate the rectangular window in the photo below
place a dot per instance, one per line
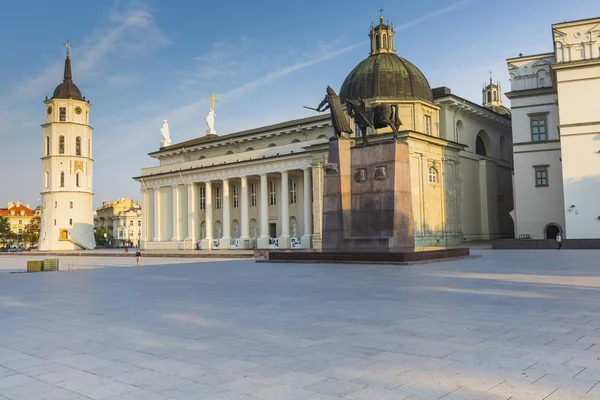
(293, 192)
(71, 204)
(63, 113)
(253, 195)
(428, 125)
(47, 145)
(202, 197)
(218, 197)
(236, 196)
(20, 222)
(130, 223)
(541, 176)
(539, 128)
(20, 231)
(272, 193)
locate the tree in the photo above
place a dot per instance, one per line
(6, 233)
(99, 235)
(31, 234)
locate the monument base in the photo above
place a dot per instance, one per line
(367, 257)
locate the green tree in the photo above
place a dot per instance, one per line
(99, 235)
(31, 234)
(6, 233)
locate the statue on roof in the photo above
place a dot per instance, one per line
(164, 131)
(338, 118)
(210, 121)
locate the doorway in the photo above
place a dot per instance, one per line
(551, 231)
(273, 230)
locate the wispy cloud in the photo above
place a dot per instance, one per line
(129, 33)
(434, 14)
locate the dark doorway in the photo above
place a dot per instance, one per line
(273, 230)
(552, 231)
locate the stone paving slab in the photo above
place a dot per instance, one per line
(510, 325)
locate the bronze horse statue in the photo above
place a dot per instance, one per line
(378, 116)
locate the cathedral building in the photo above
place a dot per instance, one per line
(263, 187)
(556, 141)
(67, 220)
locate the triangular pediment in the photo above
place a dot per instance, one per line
(559, 33)
(512, 67)
(595, 28)
(541, 63)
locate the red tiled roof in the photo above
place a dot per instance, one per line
(6, 212)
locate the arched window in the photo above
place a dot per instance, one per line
(495, 96)
(249, 149)
(272, 145)
(77, 181)
(433, 175)
(377, 42)
(62, 179)
(47, 145)
(489, 99)
(70, 221)
(70, 204)
(385, 41)
(460, 127)
(47, 180)
(321, 137)
(551, 231)
(78, 146)
(480, 146)
(296, 141)
(229, 152)
(61, 145)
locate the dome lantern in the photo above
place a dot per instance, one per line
(382, 37)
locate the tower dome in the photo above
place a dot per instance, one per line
(67, 89)
(384, 75)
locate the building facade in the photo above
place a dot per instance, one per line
(18, 215)
(67, 166)
(555, 128)
(262, 187)
(123, 219)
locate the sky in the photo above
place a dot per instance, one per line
(139, 62)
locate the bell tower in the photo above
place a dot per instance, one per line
(382, 37)
(67, 219)
(492, 95)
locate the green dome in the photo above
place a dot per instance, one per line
(387, 77)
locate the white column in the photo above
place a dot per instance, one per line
(284, 239)
(244, 242)
(263, 240)
(175, 224)
(306, 238)
(191, 209)
(208, 223)
(225, 242)
(144, 207)
(156, 214)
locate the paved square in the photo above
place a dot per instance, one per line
(511, 325)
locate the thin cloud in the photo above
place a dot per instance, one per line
(434, 14)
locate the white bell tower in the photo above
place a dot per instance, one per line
(67, 198)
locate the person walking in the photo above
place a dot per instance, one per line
(126, 247)
(558, 241)
(138, 255)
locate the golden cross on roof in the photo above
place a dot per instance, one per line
(381, 15)
(213, 101)
(68, 46)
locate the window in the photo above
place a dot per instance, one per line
(480, 146)
(71, 204)
(89, 153)
(63, 113)
(236, 196)
(61, 145)
(47, 179)
(428, 124)
(433, 175)
(20, 231)
(78, 146)
(253, 195)
(385, 41)
(62, 179)
(140, 223)
(538, 128)
(70, 221)
(541, 176)
(202, 197)
(20, 222)
(218, 197)
(47, 145)
(54, 222)
(272, 193)
(489, 97)
(55, 204)
(293, 192)
(77, 179)
(131, 223)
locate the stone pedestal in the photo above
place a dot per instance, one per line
(367, 203)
